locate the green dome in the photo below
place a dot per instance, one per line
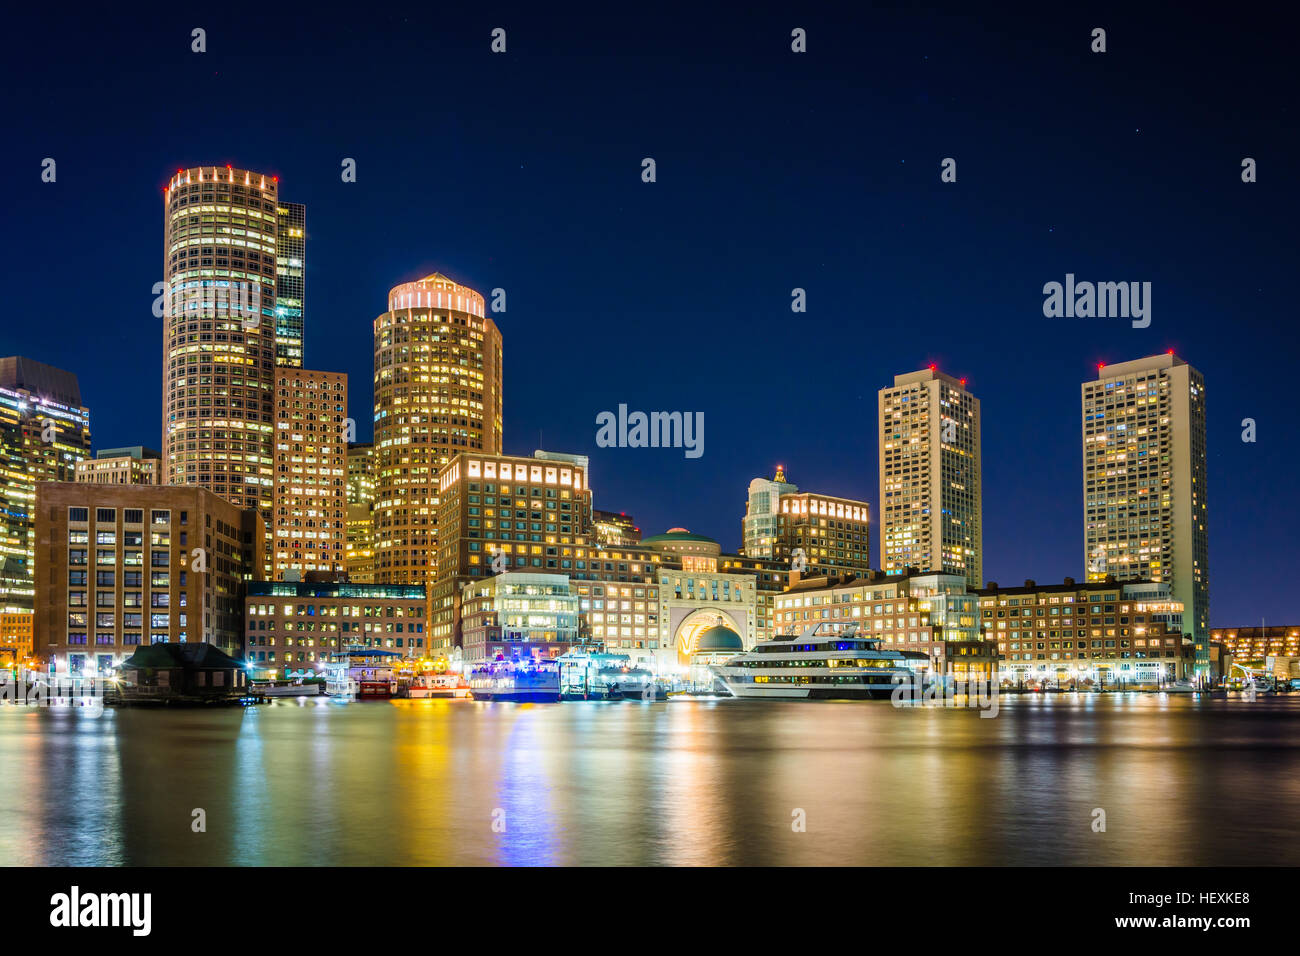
(719, 639)
(677, 534)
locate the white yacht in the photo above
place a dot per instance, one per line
(828, 661)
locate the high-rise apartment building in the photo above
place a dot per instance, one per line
(290, 282)
(437, 393)
(1144, 482)
(814, 533)
(219, 350)
(930, 481)
(133, 465)
(308, 525)
(44, 432)
(360, 558)
(123, 565)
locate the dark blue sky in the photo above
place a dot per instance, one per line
(775, 170)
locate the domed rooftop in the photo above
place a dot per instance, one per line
(719, 639)
(679, 541)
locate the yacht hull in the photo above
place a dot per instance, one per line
(517, 696)
(754, 692)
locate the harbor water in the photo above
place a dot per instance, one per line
(1178, 781)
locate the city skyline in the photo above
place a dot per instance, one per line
(889, 245)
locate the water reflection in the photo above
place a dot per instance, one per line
(314, 782)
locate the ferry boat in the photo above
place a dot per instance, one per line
(362, 672)
(338, 683)
(828, 661)
(447, 685)
(528, 681)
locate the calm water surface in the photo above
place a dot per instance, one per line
(1182, 782)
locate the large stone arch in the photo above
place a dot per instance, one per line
(688, 630)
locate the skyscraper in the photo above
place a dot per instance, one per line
(220, 255)
(310, 514)
(44, 432)
(930, 483)
(1144, 482)
(290, 282)
(437, 393)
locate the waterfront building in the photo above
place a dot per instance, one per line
(517, 615)
(925, 612)
(695, 596)
(438, 393)
(1144, 481)
(181, 673)
(309, 517)
(133, 465)
(1092, 632)
(771, 577)
(124, 565)
(220, 251)
(931, 489)
(290, 282)
(291, 626)
(44, 432)
(1254, 645)
(615, 529)
(360, 557)
(817, 534)
(512, 513)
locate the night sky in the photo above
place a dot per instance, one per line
(775, 170)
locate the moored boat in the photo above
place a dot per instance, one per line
(290, 688)
(825, 662)
(528, 681)
(448, 685)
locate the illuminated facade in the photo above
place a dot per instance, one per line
(931, 497)
(135, 465)
(44, 432)
(506, 513)
(519, 614)
(292, 626)
(1097, 632)
(309, 516)
(1144, 481)
(930, 613)
(437, 393)
(15, 637)
(762, 514)
(695, 596)
(361, 498)
(1257, 644)
(220, 254)
(290, 282)
(140, 564)
(770, 579)
(820, 534)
